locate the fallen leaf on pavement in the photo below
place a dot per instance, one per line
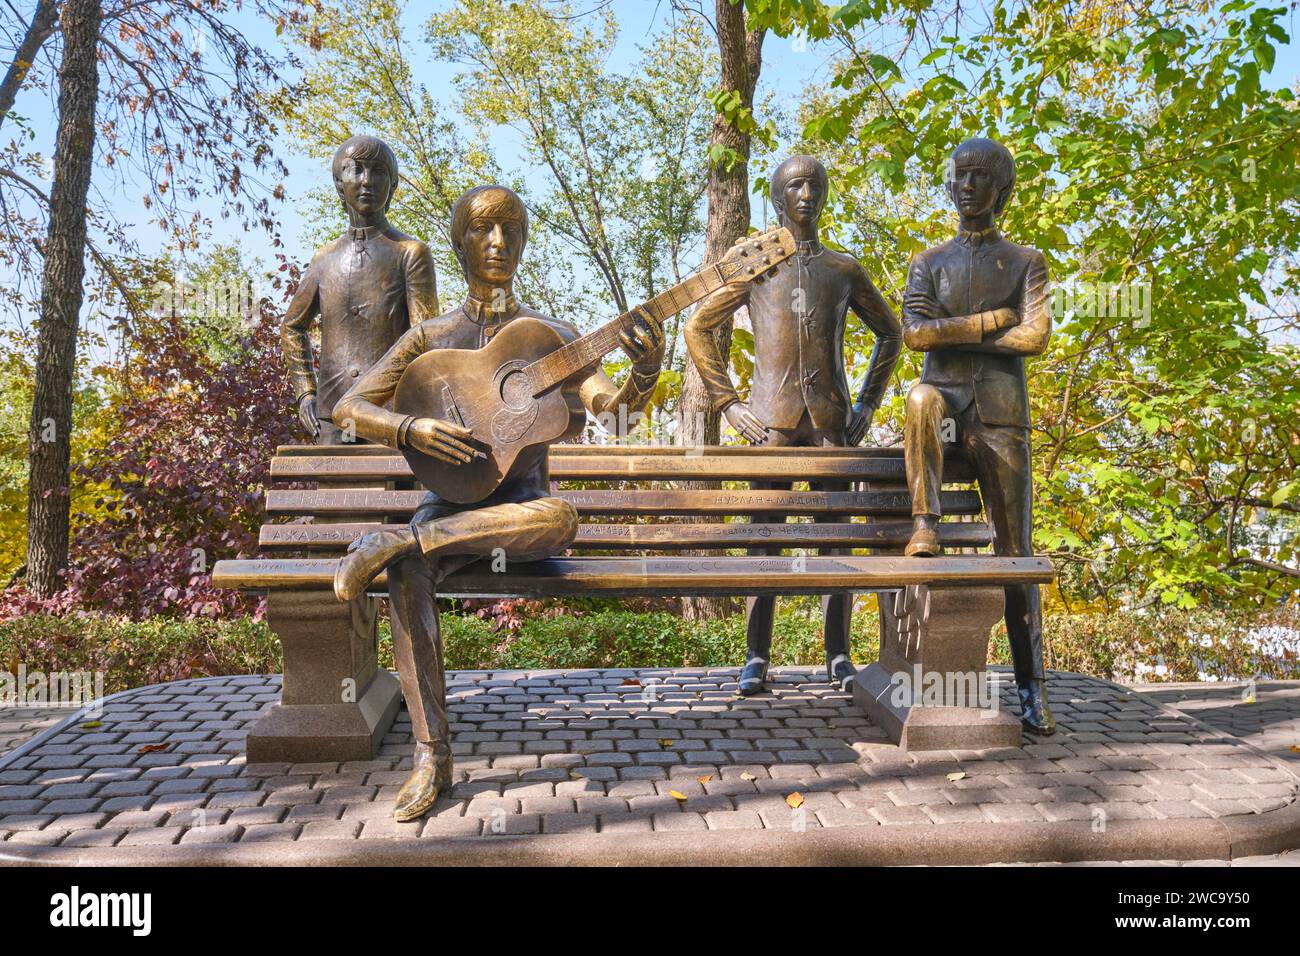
(677, 795)
(794, 801)
(959, 775)
(154, 748)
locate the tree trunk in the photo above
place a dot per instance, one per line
(49, 439)
(728, 204)
(38, 31)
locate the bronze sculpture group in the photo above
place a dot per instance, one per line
(976, 305)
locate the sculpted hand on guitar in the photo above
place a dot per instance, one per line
(643, 343)
(442, 440)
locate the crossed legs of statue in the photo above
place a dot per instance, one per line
(761, 611)
(438, 542)
(1000, 455)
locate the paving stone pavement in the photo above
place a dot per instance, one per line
(610, 751)
(1265, 714)
(18, 724)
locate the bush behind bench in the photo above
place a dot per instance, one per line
(1119, 645)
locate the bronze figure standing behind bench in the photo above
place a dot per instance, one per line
(800, 395)
(367, 287)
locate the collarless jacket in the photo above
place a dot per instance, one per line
(367, 287)
(798, 318)
(961, 279)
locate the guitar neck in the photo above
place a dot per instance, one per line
(586, 352)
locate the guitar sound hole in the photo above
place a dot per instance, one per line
(516, 390)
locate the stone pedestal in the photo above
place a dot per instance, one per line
(336, 703)
(930, 689)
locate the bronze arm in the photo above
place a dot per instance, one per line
(1034, 318)
(702, 342)
(925, 327)
(421, 285)
(364, 401)
(295, 335)
(870, 306)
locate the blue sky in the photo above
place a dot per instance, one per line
(785, 66)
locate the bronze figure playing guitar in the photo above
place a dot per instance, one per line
(509, 394)
(517, 518)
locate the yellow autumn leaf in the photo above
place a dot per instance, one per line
(794, 801)
(747, 776)
(958, 775)
(92, 724)
(677, 795)
(666, 743)
(704, 779)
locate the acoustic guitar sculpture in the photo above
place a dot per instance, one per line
(512, 395)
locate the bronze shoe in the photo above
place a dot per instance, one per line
(430, 779)
(925, 538)
(367, 556)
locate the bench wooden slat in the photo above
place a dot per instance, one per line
(668, 451)
(638, 502)
(670, 536)
(796, 466)
(676, 576)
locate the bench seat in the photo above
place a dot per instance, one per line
(647, 529)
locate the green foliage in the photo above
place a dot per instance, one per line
(1149, 156)
(135, 653)
(93, 419)
(1171, 644)
(611, 637)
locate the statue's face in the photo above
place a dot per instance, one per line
(973, 187)
(803, 197)
(365, 185)
(493, 245)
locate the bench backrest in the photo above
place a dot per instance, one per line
(630, 498)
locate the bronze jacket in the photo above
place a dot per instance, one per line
(367, 287)
(963, 282)
(470, 327)
(798, 317)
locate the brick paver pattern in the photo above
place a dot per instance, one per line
(613, 751)
(18, 724)
(1265, 714)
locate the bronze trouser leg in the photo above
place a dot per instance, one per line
(526, 531)
(417, 648)
(923, 447)
(759, 611)
(523, 532)
(836, 608)
(1001, 457)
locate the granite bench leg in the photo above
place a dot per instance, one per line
(336, 702)
(930, 689)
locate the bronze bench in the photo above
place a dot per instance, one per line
(336, 703)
